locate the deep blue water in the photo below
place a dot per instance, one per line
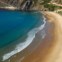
(15, 24)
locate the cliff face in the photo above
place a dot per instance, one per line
(29, 4)
(20, 4)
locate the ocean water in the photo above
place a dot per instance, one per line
(17, 30)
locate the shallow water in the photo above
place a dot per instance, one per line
(14, 29)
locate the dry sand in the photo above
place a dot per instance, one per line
(56, 54)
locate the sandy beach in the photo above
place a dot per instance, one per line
(50, 47)
(50, 50)
(56, 53)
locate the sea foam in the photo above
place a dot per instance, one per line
(23, 45)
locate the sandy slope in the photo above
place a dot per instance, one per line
(56, 54)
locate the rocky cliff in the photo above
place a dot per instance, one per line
(30, 4)
(20, 4)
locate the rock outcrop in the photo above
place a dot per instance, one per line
(20, 4)
(30, 4)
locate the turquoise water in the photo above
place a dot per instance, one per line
(14, 24)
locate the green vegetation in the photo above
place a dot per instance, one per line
(3, 5)
(46, 1)
(52, 7)
(49, 6)
(42, 4)
(41, 1)
(60, 12)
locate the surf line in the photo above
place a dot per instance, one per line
(28, 41)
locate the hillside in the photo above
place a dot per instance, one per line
(45, 5)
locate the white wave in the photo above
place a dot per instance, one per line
(23, 45)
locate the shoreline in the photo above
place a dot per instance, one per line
(37, 47)
(49, 49)
(41, 52)
(33, 43)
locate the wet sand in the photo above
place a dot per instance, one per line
(48, 49)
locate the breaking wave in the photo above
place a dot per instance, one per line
(23, 45)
